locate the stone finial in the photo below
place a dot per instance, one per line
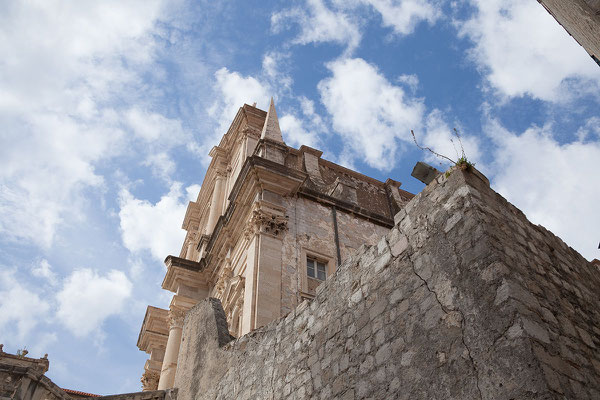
(271, 128)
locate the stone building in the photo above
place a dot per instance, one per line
(581, 18)
(270, 224)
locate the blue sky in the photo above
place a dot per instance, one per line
(108, 111)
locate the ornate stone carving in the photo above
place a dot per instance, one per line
(222, 282)
(150, 380)
(176, 317)
(251, 132)
(265, 222)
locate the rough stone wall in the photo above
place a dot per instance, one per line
(581, 18)
(463, 299)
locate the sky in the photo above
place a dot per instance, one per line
(108, 111)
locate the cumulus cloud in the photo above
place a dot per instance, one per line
(21, 309)
(56, 104)
(88, 298)
(154, 227)
(233, 91)
(400, 15)
(550, 182)
(45, 171)
(522, 50)
(369, 112)
(275, 67)
(319, 24)
(294, 132)
(440, 137)
(43, 269)
(152, 127)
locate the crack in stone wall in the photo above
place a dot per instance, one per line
(462, 322)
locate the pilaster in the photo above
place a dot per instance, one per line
(262, 295)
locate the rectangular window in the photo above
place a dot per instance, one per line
(316, 269)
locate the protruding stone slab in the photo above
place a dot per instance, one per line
(425, 172)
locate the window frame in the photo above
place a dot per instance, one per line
(326, 260)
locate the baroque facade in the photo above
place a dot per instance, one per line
(269, 225)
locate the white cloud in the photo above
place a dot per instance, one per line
(306, 128)
(45, 171)
(161, 164)
(43, 269)
(154, 227)
(294, 133)
(234, 90)
(441, 138)
(410, 80)
(400, 15)
(155, 128)
(368, 111)
(522, 50)
(21, 308)
(275, 67)
(88, 298)
(554, 184)
(590, 129)
(65, 66)
(319, 24)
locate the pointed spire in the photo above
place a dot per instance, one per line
(271, 128)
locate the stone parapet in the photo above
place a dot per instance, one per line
(463, 299)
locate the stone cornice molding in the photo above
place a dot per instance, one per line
(181, 270)
(154, 325)
(192, 215)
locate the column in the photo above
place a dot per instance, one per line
(216, 204)
(169, 366)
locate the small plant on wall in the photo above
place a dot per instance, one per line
(461, 162)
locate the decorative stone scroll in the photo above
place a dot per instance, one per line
(222, 282)
(150, 380)
(176, 317)
(264, 222)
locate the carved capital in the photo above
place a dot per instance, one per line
(150, 380)
(176, 317)
(250, 132)
(264, 222)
